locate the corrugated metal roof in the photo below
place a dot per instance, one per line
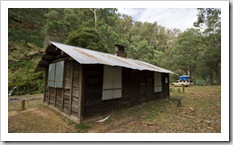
(86, 56)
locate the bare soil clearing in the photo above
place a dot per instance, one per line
(200, 112)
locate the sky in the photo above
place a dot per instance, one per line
(181, 18)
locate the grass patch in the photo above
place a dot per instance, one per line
(200, 112)
(82, 127)
(17, 105)
(37, 120)
(79, 127)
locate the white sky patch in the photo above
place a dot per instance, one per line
(181, 18)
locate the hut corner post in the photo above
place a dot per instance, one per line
(81, 93)
(71, 85)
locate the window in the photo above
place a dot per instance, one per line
(157, 82)
(56, 72)
(166, 80)
(112, 83)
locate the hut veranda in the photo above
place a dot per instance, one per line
(82, 83)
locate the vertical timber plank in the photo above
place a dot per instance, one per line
(63, 84)
(80, 91)
(82, 101)
(55, 97)
(62, 99)
(71, 86)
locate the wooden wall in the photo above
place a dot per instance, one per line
(137, 88)
(66, 99)
(93, 81)
(165, 86)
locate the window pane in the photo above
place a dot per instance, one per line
(166, 80)
(157, 82)
(112, 82)
(59, 74)
(107, 94)
(116, 93)
(117, 80)
(108, 77)
(51, 75)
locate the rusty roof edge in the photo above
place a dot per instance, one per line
(157, 67)
(124, 62)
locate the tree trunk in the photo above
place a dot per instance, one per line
(95, 15)
(218, 74)
(211, 79)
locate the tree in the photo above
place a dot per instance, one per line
(87, 38)
(209, 20)
(186, 52)
(94, 11)
(106, 26)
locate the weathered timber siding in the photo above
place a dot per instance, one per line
(126, 88)
(75, 92)
(137, 87)
(143, 86)
(61, 98)
(150, 86)
(67, 86)
(165, 86)
(93, 89)
(134, 88)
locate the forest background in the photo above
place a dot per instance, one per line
(195, 51)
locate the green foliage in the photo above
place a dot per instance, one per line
(25, 25)
(87, 38)
(178, 90)
(194, 51)
(209, 20)
(171, 90)
(186, 52)
(82, 127)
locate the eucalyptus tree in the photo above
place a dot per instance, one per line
(187, 51)
(209, 20)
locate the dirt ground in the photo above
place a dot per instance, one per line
(200, 112)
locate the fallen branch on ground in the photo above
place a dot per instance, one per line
(190, 108)
(189, 116)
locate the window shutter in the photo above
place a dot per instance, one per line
(157, 82)
(51, 75)
(107, 94)
(112, 82)
(117, 82)
(117, 71)
(108, 79)
(59, 74)
(166, 80)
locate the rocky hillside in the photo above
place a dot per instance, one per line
(25, 47)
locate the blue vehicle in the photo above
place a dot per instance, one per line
(183, 81)
(184, 78)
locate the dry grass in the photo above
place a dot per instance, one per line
(36, 118)
(200, 111)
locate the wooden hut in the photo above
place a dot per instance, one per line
(82, 83)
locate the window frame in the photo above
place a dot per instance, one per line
(56, 82)
(112, 83)
(157, 82)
